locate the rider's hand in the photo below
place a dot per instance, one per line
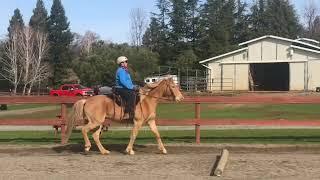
(136, 88)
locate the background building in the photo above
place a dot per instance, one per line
(268, 63)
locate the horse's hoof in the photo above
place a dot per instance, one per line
(106, 152)
(87, 149)
(130, 152)
(164, 151)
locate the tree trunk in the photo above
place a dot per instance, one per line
(30, 88)
(14, 89)
(24, 89)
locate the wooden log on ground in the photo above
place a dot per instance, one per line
(222, 162)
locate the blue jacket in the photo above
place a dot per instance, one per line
(123, 79)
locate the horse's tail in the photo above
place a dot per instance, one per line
(76, 114)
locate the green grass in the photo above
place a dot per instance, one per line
(215, 111)
(50, 114)
(26, 106)
(220, 111)
(261, 136)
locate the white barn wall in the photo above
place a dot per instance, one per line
(241, 77)
(215, 76)
(240, 57)
(254, 52)
(283, 50)
(300, 55)
(228, 72)
(297, 78)
(225, 76)
(314, 74)
(269, 50)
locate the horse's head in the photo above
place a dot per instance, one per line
(172, 90)
(166, 87)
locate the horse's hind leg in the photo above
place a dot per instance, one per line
(134, 133)
(154, 129)
(96, 137)
(85, 129)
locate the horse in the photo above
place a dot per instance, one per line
(98, 108)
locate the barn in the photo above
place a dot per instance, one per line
(267, 63)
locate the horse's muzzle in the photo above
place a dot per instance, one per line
(179, 98)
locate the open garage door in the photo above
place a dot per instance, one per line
(269, 77)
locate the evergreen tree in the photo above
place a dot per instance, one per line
(241, 33)
(282, 19)
(152, 38)
(60, 39)
(187, 59)
(257, 20)
(274, 17)
(162, 17)
(192, 22)
(160, 26)
(177, 22)
(218, 21)
(38, 20)
(15, 22)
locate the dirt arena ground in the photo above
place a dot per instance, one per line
(182, 162)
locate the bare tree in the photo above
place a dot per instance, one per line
(310, 15)
(87, 41)
(11, 67)
(39, 69)
(28, 55)
(138, 25)
(23, 61)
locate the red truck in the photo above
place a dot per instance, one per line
(72, 90)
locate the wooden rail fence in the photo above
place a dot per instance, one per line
(196, 121)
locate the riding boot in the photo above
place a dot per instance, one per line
(131, 116)
(126, 116)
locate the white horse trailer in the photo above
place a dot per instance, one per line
(152, 79)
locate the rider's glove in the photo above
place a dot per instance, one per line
(136, 88)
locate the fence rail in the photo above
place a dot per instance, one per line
(60, 121)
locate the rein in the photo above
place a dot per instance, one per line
(157, 97)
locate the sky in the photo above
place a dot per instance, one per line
(108, 18)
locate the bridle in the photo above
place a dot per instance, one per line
(158, 97)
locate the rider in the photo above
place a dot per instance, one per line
(124, 87)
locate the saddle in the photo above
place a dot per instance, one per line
(117, 99)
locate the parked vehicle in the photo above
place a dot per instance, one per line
(98, 90)
(72, 90)
(152, 79)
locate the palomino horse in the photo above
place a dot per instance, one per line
(98, 108)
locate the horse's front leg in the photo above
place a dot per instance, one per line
(154, 129)
(134, 133)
